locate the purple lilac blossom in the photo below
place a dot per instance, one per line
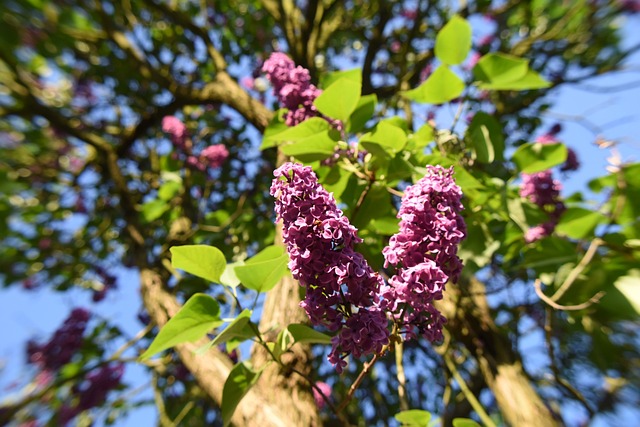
(541, 189)
(425, 251)
(341, 288)
(176, 129)
(64, 344)
(293, 88)
(320, 398)
(214, 155)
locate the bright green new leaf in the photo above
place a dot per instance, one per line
(453, 42)
(206, 262)
(413, 418)
(154, 209)
(275, 127)
(354, 75)
(499, 68)
(363, 112)
(391, 138)
(238, 328)
(310, 127)
(465, 422)
(229, 277)
(530, 81)
(535, 157)
(339, 100)
(305, 334)
(629, 286)
(168, 190)
(199, 315)
(241, 378)
(579, 223)
(263, 271)
(486, 137)
(311, 148)
(441, 86)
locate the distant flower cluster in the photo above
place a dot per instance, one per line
(211, 157)
(343, 293)
(541, 189)
(544, 191)
(352, 152)
(425, 251)
(293, 88)
(91, 392)
(63, 345)
(341, 288)
(66, 342)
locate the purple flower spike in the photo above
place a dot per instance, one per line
(425, 248)
(176, 130)
(342, 291)
(293, 88)
(541, 189)
(214, 155)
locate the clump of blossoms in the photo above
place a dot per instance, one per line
(211, 157)
(91, 392)
(293, 88)
(342, 291)
(64, 344)
(541, 189)
(572, 163)
(425, 252)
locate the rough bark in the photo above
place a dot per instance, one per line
(290, 391)
(471, 322)
(212, 368)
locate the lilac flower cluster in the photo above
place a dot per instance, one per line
(64, 344)
(92, 392)
(293, 88)
(541, 189)
(320, 398)
(342, 291)
(211, 157)
(425, 249)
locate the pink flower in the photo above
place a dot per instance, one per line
(176, 129)
(321, 396)
(214, 155)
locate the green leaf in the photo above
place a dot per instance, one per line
(441, 86)
(363, 112)
(413, 418)
(453, 42)
(305, 334)
(275, 127)
(465, 422)
(168, 190)
(154, 209)
(579, 223)
(535, 157)
(390, 138)
(199, 315)
(263, 271)
(238, 328)
(206, 262)
(629, 287)
(309, 127)
(500, 68)
(314, 147)
(530, 81)
(354, 75)
(229, 277)
(241, 378)
(339, 100)
(485, 135)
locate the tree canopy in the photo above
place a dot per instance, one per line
(340, 213)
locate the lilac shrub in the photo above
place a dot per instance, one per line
(342, 291)
(293, 88)
(541, 189)
(425, 252)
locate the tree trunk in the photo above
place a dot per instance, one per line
(471, 322)
(212, 368)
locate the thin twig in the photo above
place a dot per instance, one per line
(593, 300)
(365, 370)
(575, 272)
(402, 379)
(473, 401)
